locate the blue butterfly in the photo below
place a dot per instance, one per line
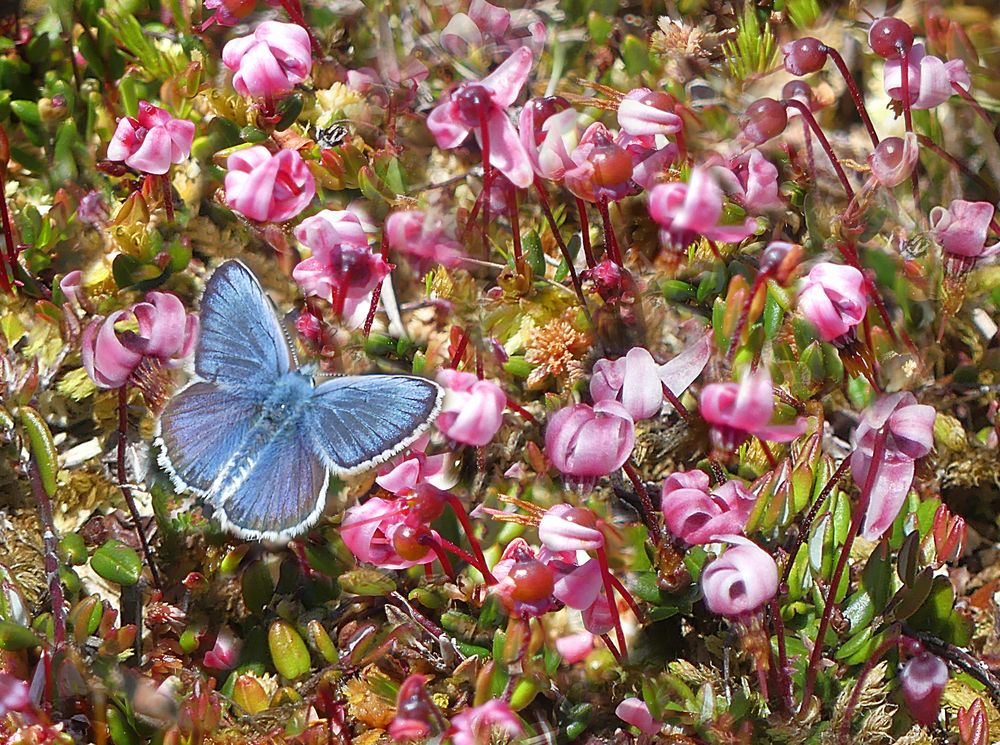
(256, 437)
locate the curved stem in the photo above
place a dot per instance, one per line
(543, 199)
(676, 403)
(377, 292)
(588, 250)
(908, 119)
(825, 143)
(647, 504)
(852, 704)
(860, 508)
(442, 556)
(977, 107)
(463, 518)
(859, 102)
(126, 491)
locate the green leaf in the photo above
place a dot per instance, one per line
(117, 562)
(13, 637)
(288, 652)
(531, 242)
(773, 316)
(367, 582)
(635, 55)
(43, 448)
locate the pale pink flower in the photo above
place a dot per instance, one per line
(473, 726)
(568, 528)
(644, 112)
(589, 441)
(737, 411)
(271, 61)
(686, 211)
(151, 142)
(753, 180)
(910, 435)
(633, 380)
(603, 168)
(696, 515)
(741, 581)
(574, 648)
(549, 133)
(922, 680)
(486, 23)
(367, 530)
(15, 696)
(329, 228)
(473, 409)
(930, 78)
(961, 229)
(833, 299)
(225, 653)
(166, 332)
(634, 711)
(473, 106)
(266, 187)
(422, 239)
(414, 467)
(894, 159)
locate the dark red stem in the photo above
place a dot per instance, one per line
(908, 119)
(676, 403)
(859, 102)
(588, 250)
(649, 516)
(459, 509)
(126, 491)
(602, 560)
(814, 126)
(515, 228)
(543, 199)
(610, 240)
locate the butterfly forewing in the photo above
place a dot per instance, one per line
(242, 342)
(355, 423)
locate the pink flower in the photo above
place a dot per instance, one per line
(753, 180)
(685, 211)
(833, 299)
(923, 679)
(741, 581)
(72, 287)
(603, 169)
(586, 442)
(961, 229)
(225, 653)
(910, 435)
(166, 332)
(14, 695)
(422, 239)
(893, 159)
(736, 411)
(473, 409)
(487, 23)
(548, 131)
(368, 531)
(151, 142)
(473, 106)
(635, 712)
(271, 61)
(574, 648)
(405, 472)
(568, 528)
(526, 580)
(266, 187)
(695, 515)
(473, 726)
(645, 112)
(329, 228)
(930, 78)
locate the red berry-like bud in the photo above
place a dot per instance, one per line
(426, 503)
(612, 165)
(765, 118)
(581, 516)
(798, 90)
(532, 580)
(659, 100)
(471, 104)
(890, 37)
(411, 542)
(805, 56)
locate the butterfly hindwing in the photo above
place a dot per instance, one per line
(200, 430)
(242, 342)
(357, 422)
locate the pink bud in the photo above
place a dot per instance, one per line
(568, 528)
(71, 286)
(930, 78)
(740, 581)
(473, 409)
(833, 299)
(973, 725)
(266, 187)
(737, 411)
(922, 680)
(961, 229)
(634, 711)
(587, 442)
(271, 61)
(473, 726)
(151, 142)
(686, 211)
(224, 654)
(697, 516)
(414, 711)
(645, 112)
(574, 648)
(422, 239)
(894, 159)
(329, 228)
(14, 695)
(752, 180)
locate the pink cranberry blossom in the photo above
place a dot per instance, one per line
(330, 228)
(271, 61)
(737, 411)
(471, 106)
(225, 653)
(602, 169)
(473, 726)
(14, 695)
(562, 529)
(930, 78)
(589, 441)
(266, 187)
(643, 112)
(549, 135)
(405, 472)
(961, 229)
(151, 142)
(422, 239)
(894, 159)
(753, 181)
(686, 211)
(486, 23)
(166, 333)
(833, 299)
(741, 581)
(473, 409)
(696, 515)
(910, 435)
(922, 680)
(633, 380)
(634, 711)
(368, 530)
(574, 648)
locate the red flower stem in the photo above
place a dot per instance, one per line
(623, 591)
(432, 628)
(126, 491)
(908, 119)
(294, 10)
(682, 151)
(611, 242)
(825, 143)
(810, 157)
(968, 172)
(859, 102)
(715, 249)
(460, 553)
(602, 560)
(676, 403)
(806, 525)
(518, 409)
(515, 229)
(543, 198)
(377, 292)
(459, 509)
(588, 250)
(50, 541)
(168, 199)
(771, 460)
(784, 680)
(613, 649)
(860, 508)
(977, 107)
(845, 726)
(456, 358)
(441, 553)
(741, 322)
(487, 175)
(649, 516)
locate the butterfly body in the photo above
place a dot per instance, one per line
(256, 437)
